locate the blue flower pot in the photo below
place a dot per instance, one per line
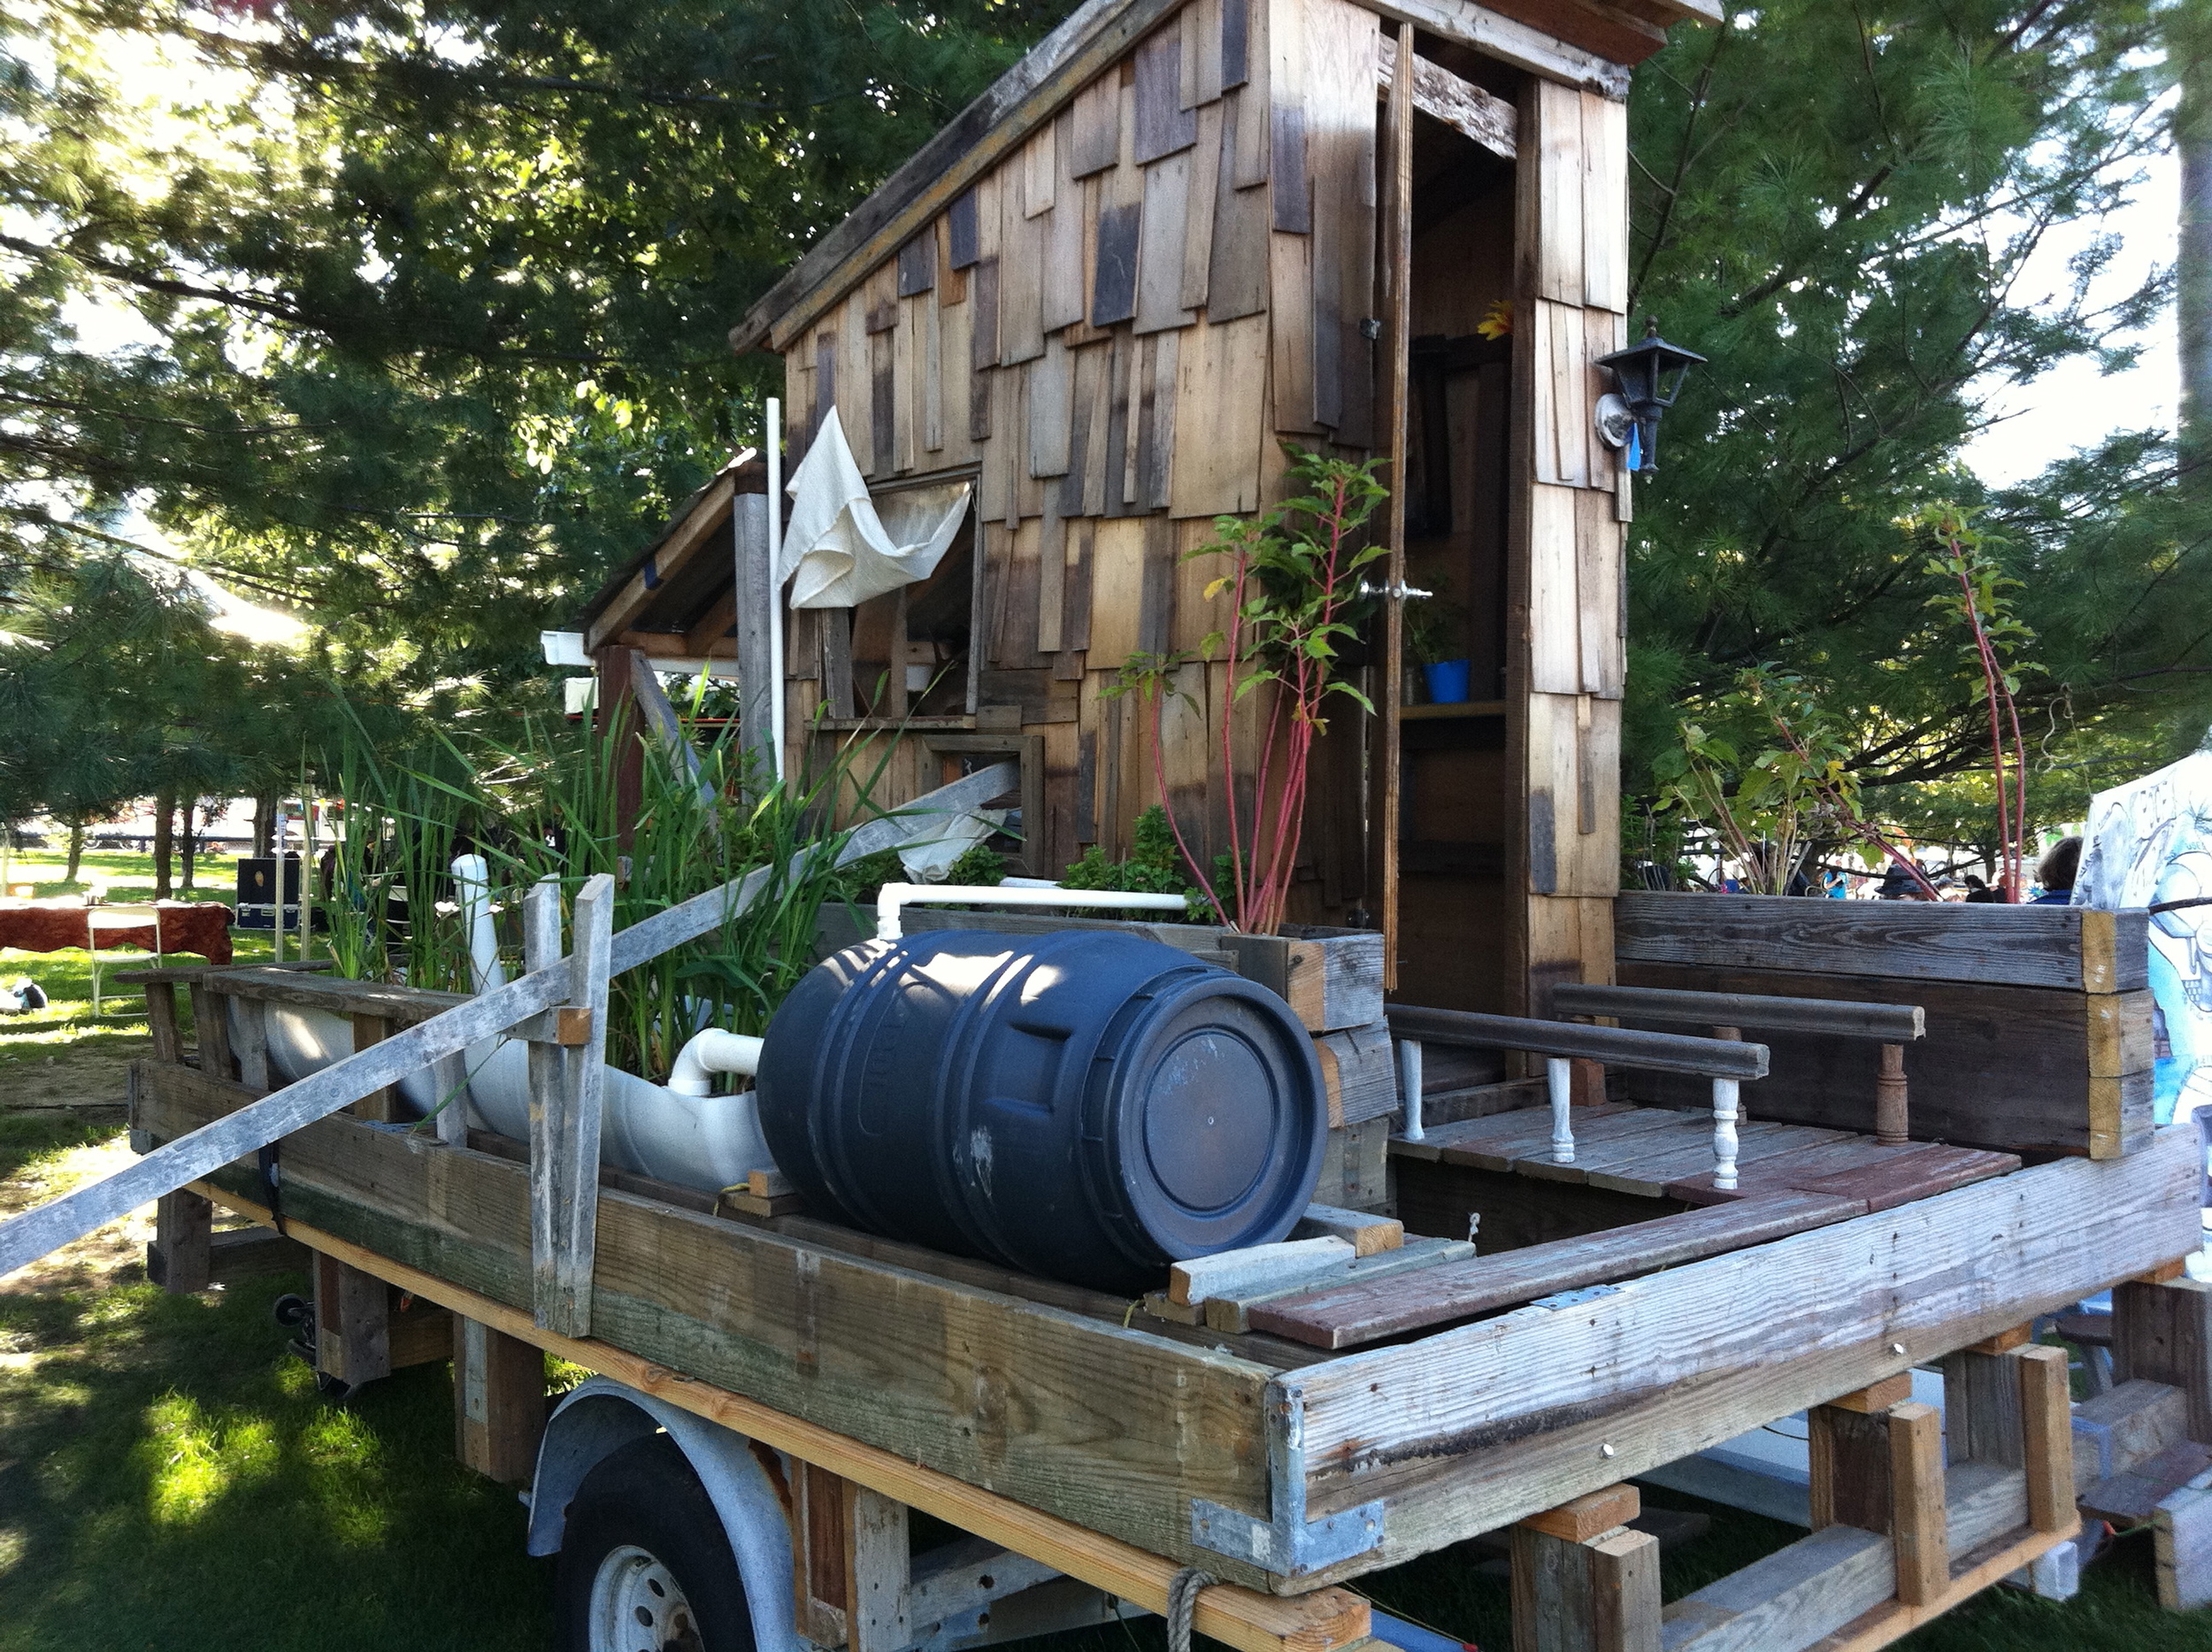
(1448, 681)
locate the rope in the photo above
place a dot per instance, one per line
(1182, 1605)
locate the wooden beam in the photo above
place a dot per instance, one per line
(499, 1403)
(685, 538)
(2046, 1435)
(1403, 66)
(179, 1258)
(1467, 1430)
(2163, 1333)
(1583, 1582)
(1545, 56)
(352, 1323)
(1917, 1533)
(1323, 1620)
(50, 1226)
(1469, 111)
(567, 1083)
(2070, 946)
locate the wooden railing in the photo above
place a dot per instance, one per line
(559, 1003)
(1725, 1064)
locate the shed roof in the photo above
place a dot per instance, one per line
(1580, 43)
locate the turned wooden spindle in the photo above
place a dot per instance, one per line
(1889, 1098)
(1728, 1115)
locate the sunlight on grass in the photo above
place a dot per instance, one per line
(192, 1458)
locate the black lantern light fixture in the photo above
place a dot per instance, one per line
(1650, 374)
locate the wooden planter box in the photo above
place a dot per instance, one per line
(2039, 1017)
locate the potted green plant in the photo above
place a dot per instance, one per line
(1435, 629)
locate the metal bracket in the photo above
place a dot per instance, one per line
(1286, 1544)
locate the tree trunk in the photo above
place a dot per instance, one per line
(264, 826)
(187, 846)
(2190, 52)
(76, 846)
(165, 842)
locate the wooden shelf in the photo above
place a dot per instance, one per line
(1462, 708)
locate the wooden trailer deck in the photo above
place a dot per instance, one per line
(1251, 1455)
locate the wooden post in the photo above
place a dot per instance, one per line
(352, 1323)
(1918, 1529)
(1981, 1409)
(756, 603)
(1397, 308)
(2047, 1435)
(1583, 1581)
(179, 1259)
(251, 1046)
(498, 1402)
(2163, 1333)
(1891, 1121)
(161, 1021)
(211, 1028)
(852, 1580)
(380, 1105)
(1849, 1454)
(451, 1073)
(565, 1085)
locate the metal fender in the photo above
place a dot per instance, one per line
(601, 1416)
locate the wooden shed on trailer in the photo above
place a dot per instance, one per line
(1172, 238)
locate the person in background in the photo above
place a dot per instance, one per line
(1978, 892)
(2054, 872)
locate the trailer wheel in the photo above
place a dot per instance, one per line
(645, 1565)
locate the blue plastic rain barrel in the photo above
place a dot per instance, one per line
(1087, 1105)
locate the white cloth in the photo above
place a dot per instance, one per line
(842, 547)
(929, 859)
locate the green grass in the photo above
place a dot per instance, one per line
(169, 1476)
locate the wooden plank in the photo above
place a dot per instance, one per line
(1237, 271)
(2001, 1066)
(1219, 402)
(564, 1125)
(1600, 576)
(1097, 131)
(1554, 608)
(1368, 1235)
(1165, 124)
(1156, 602)
(1156, 422)
(1160, 257)
(1051, 398)
(1201, 64)
(1466, 108)
(1086, 431)
(918, 263)
(1020, 274)
(1465, 1430)
(2046, 1436)
(1321, 1621)
(1340, 144)
(1254, 1270)
(1116, 589)
(1066, 295)
(211, 1027)
(1561, 390)
(1604, 202)
(1290, 303)
(1590, 1515)
(1359, 1067)
(1114, 295)
(1351, 1317)
(1917, 1533)
(1206, 162)
(1602, 1595)
(2064, 947)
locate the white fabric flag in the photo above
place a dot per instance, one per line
(842, 547)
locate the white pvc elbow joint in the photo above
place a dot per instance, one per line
(709, 1053)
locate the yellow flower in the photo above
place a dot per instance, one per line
(1497, 321)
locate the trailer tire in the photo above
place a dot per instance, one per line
(645, 1565)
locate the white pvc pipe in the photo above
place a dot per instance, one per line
(1559, 1073)
(892, 896)
(711, 1052)
(774, 435)
(472, 880)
